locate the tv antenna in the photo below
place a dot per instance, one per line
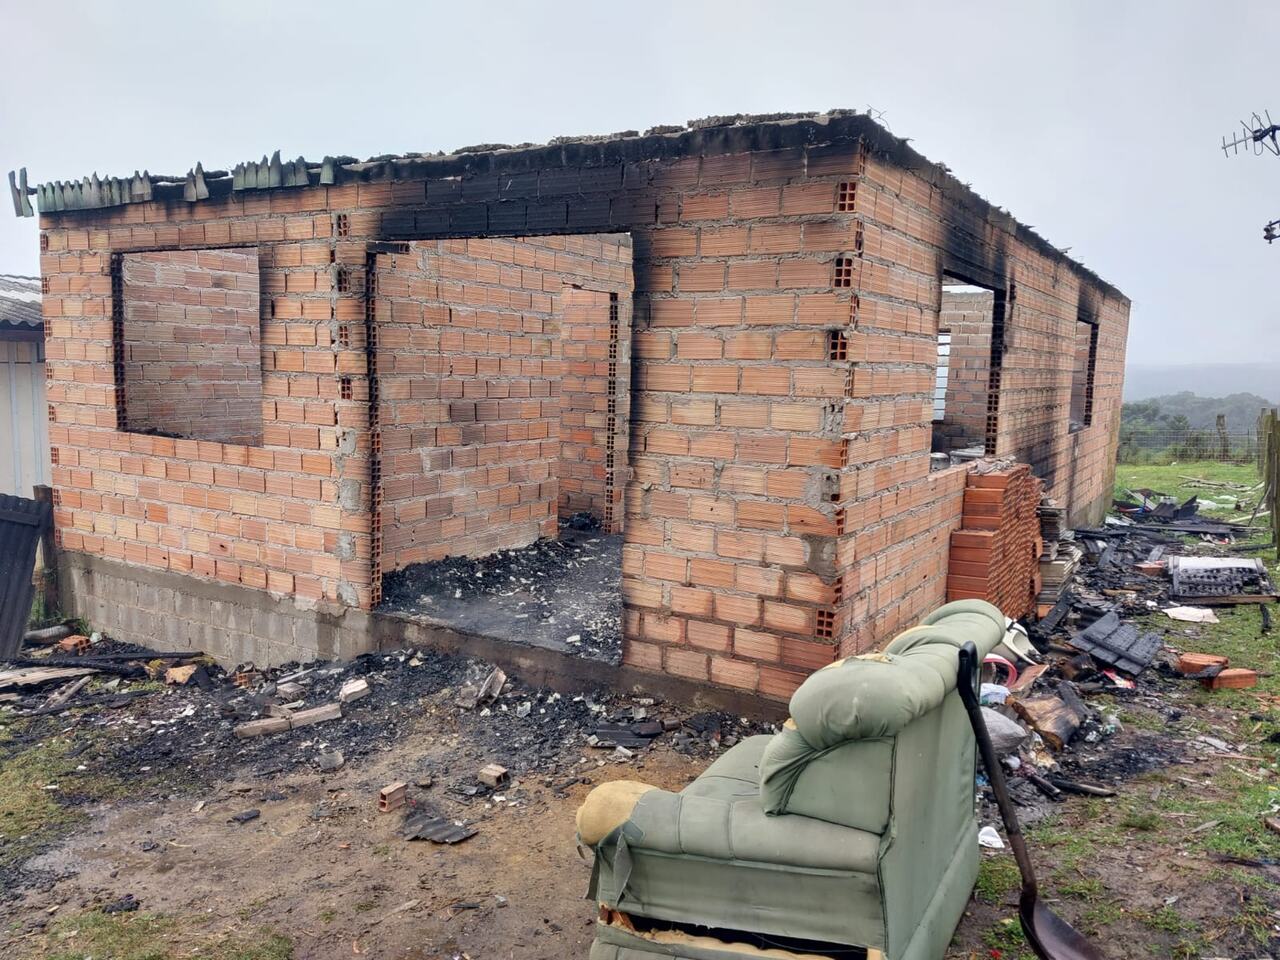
(1259, 135)
(1254, 134)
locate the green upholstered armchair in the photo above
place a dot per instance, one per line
(854, 827)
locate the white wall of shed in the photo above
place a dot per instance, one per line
(24, 418)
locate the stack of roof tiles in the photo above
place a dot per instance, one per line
(995, 554)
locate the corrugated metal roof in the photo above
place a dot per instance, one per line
(21, 523)
(20, 304)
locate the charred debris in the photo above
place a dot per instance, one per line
(1108, 631)
(469, 741)
(1111, 630)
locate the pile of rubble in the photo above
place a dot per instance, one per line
(179, 725)
(186, 705)
(1098, 633)
(561, 593)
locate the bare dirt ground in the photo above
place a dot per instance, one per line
(348, 884)
(319, 872)
(130, 808)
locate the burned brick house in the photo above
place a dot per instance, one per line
(751, 353)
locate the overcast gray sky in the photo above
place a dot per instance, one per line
(1096, 122)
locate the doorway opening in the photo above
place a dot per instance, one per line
(503, 405)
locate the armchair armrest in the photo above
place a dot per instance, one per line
(874, 696)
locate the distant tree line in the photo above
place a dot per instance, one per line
(1186, 427)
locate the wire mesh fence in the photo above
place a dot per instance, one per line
(1173, 446)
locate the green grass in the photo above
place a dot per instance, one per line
(30, 814)
(1082, 888)
(1168, 920)
(1007, 937)
(1238, 796)
(28, 810)
(997, 877)
(1100, 915)
(1168, 479)
(1143, 820)
(1139, 718)
(1236, 809)
(149, 936)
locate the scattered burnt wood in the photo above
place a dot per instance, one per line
(147, 655)
(1027, 677)
(119, 668)
(1214, 528)
(632, 736)
(111, 701)
(1085, 789)
(1079, 667)
(1101, 533)
(1057, 613)
(1045, 786)
(1230, 600)
(34, 676)
(1056, 717)
(60, 697)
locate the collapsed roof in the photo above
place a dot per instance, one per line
(710, 136)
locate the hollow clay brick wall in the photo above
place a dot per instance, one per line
(192, 362)
(471, 336)
(595, 404)
(780, 508)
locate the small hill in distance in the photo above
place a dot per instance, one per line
(1144, 381)
(1187, 410)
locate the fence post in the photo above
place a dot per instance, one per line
(48, 556)
(1273, 461)
(1269, 467)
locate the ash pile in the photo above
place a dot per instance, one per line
(181, 713)
(563, 594)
